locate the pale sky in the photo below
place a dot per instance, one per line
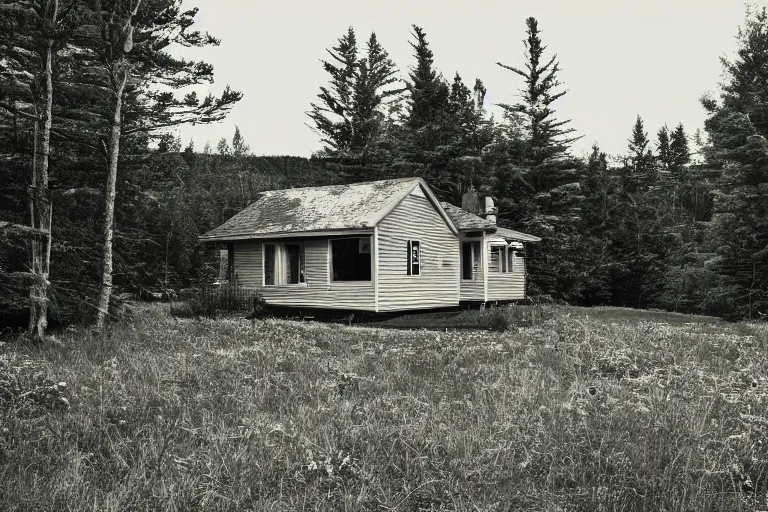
(619, 58)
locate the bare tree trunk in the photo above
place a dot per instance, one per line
(109, 205)
(35, 243)
(41, 205)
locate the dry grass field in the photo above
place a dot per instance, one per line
(571, 410)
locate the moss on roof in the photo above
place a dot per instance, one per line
(309, 209)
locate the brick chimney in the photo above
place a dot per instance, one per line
(470, 202)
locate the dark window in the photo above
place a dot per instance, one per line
(294, 270)
(230, 261)
(470, 260)
(351, 259)
(414, 258)
(466, 260)
(269, 264)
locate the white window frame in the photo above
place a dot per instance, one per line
(516, 260)
(281, 264)
(408, 262)
(504, 266)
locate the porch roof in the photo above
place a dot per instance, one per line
(511, 234)
(466, 221)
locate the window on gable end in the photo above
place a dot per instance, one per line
(414, 258)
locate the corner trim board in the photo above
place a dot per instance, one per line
(376, 268)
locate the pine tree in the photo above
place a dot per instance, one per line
(547, 136)
(127, 59)
(371, 94)
(34, 33)
(239, 147)
(663, 149)
(189, 153)
(354, 118)
(427, 90)
(332, 117)
(595, 226)
(222, 147)
(422, 132)
(679, 150)
(737, 129)
(538, 184)
(641, 172)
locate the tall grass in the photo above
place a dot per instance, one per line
(212, 301)
(494, 318)
(568, 413)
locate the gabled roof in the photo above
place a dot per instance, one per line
(315, 210)
(466, 221)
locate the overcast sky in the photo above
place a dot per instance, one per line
(619, 58)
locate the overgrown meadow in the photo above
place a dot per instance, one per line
(574, 409)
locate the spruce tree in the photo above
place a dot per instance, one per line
(639, 243)
(372, 92)
(641, 171)
(595, 227)
(547, 136)
(663, 149)
(33, 34)
(222, 147)
(125, 57)
(189, 153)
(538, 183)
(679, 150)
(332, 116)
(427, 90)
(423, 133)
(239, 147)
(737, 129)
(354, 118)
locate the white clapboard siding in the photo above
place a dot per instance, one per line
(507, 286)
(416, 219)
(473, 290)
(317, 292)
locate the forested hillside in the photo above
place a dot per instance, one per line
(98, 195)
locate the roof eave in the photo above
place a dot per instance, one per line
(286, 234)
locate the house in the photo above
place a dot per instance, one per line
(380, 246)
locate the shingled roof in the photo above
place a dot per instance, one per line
(511, 234)
(318, 209)
(466, 221)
